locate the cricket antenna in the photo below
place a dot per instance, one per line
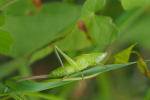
(110, 39)
(111, 36)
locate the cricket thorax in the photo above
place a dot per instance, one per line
(86, 60)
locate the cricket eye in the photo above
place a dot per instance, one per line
(102, 55)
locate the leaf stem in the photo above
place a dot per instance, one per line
(7, 4)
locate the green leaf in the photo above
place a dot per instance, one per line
(15, 94)
(41, 53)
(142, 65)
(32, 30)
(141, 68)
(2, 90)
(6, 41)
(99, 28)
(45, 96)
(129, 4)
(77, 41)
(2, 18)
(123, 56)
(29, 86)
(91, 27)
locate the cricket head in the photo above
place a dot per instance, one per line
(100, 57)
(95, 58)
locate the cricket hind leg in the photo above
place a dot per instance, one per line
(63, 78)
(61, 64)
(80, 73)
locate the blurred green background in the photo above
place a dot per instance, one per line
(37, 25)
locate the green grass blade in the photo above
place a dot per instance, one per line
(29, 86)
(45, 96)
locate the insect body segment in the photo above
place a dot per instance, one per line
(82, 61)
(74, 65)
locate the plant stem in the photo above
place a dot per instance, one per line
(7, 4)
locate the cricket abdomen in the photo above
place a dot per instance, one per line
(83, 61)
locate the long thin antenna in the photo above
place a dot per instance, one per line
(111, 36)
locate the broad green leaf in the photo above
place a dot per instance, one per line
(6, 41)
(15, 94)
(99, 28)
(90, 28)
(21, 7)
(29, 86)
(129, 4)
(41, 53)
(2, 18)
(123, 56)
(77, 40)
(33, 31)
(3, 2)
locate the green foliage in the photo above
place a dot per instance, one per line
(10, 66)
(2, 18)
(143, 67)
(140, 30)
(123, 56)
(75, 27)
(29, 86)
(99, 28)
(129, 4)
(45, 96)
(41, 28)
(15, 94)
(6, 40)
